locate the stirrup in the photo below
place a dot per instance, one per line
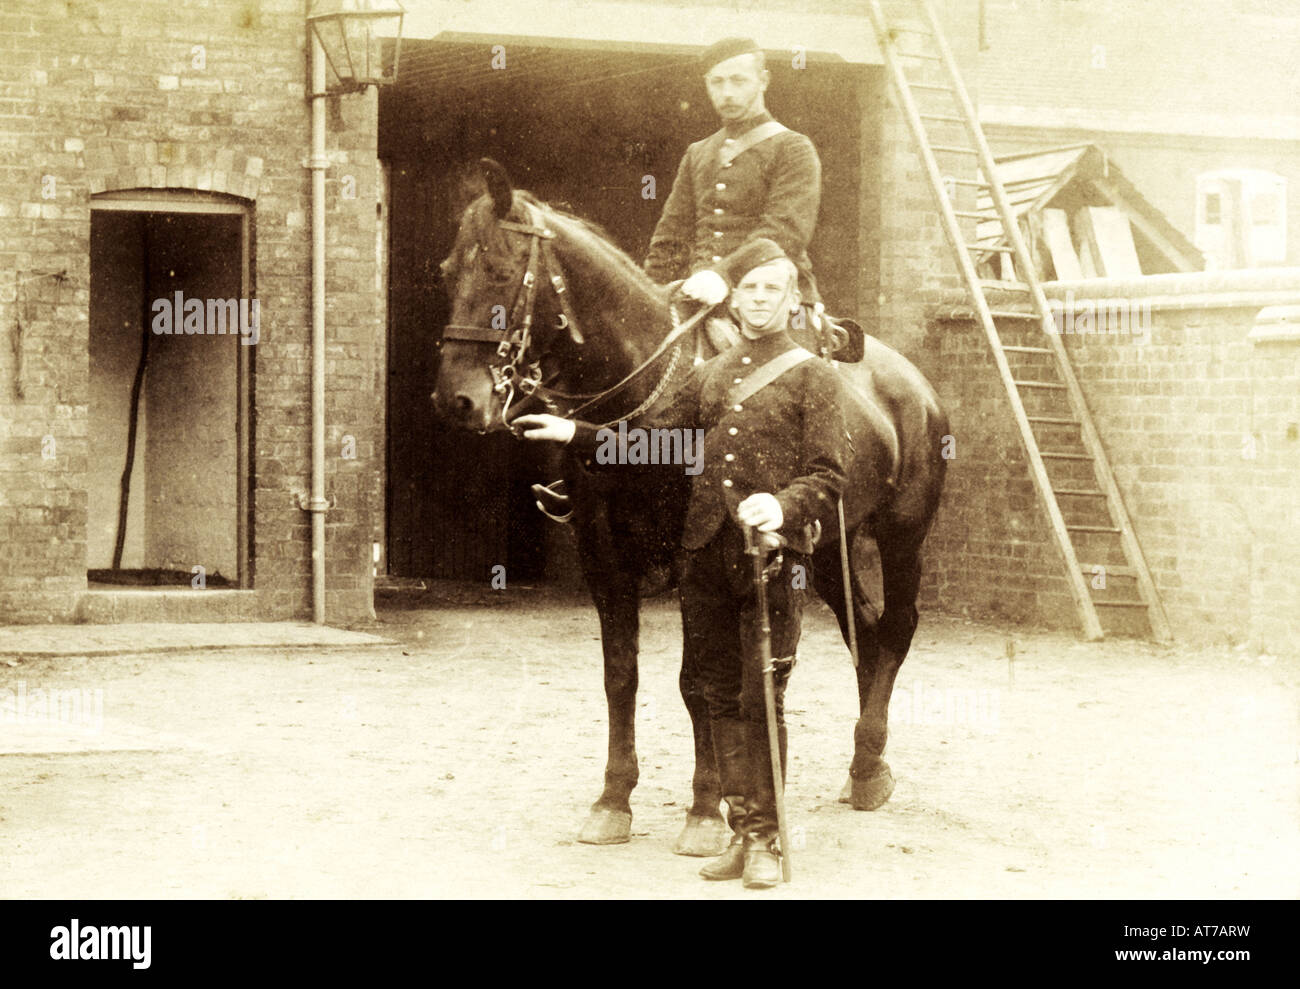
(545, 496)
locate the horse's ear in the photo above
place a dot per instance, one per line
(498, 183)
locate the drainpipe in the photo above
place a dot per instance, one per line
(318, 505)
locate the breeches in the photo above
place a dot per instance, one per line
(720, 618)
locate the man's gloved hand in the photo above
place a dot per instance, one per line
(761, 511)
(706, 286)
(544, 427)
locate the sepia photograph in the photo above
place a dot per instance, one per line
(650, 450)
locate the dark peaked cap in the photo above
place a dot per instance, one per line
(727, 48)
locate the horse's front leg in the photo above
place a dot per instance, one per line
(618, 604)
(706, 832)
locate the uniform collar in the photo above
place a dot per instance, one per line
(765, 348)
(739, 127)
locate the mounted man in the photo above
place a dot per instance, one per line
(752, 178)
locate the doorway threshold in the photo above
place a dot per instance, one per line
(115, 605)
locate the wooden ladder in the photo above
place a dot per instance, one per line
(1094, 521)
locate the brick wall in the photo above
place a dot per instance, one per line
(990, 553)
(1202, 427)
(208, 96)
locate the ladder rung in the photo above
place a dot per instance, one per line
(1093, 528)
(1014, 314)
(949, 118)
(1080, 492)
(953, 149)
(1062, 455)
(1039, 384)
(1111, 571)
(1053, 420)
(980, 183)
(932, 58)
(971, 216)
(934, 86)
(1004, 286)
(1118, 604)
(990, 247)
(1026, 350)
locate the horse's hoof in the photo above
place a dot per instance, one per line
(702, 837)
(871, 793)
(606, 827)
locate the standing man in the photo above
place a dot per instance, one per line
(776, 452)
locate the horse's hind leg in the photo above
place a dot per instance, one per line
(705, 833)
(868, 732)
(871, 782)
(617, 603)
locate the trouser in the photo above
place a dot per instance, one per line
(719, 613)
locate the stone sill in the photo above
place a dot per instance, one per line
(1276, 324)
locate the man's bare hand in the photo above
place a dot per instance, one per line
(706, 286)
(761, 511)
(544, 427)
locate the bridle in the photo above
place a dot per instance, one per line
(515, 372)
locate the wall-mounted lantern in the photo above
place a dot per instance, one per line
(352, 34)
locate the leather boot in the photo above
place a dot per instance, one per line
(730, 749)
(731, 863)
(762, 848)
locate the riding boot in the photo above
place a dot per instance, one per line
(730, 749)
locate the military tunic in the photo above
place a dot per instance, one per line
(788, 439)
(772, 189)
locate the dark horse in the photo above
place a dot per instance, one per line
(547, 315)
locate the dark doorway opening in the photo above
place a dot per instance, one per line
(581, 128)
(174, 405)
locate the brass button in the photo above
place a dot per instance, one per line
(735, 381)
(737, 408)
(717, 233)
(744, 360)
(717, 257)
(729, 457)
(720, 186)
(726, 164)
(732, 431)
(726, 483)
(717, 211)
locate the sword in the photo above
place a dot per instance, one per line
(754, 548)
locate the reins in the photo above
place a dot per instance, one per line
(514, 341)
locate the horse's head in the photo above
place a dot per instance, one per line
(500, 324)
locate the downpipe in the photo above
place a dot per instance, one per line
(318, 162)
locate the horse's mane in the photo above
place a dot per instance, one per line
(597, 237)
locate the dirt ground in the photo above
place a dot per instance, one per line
(461, 763)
